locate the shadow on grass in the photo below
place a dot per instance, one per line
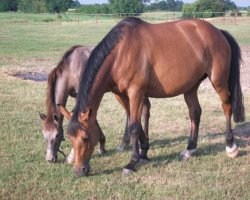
(167, 142)
(242, 131)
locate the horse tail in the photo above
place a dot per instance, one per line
(52, 78)
(236, 96)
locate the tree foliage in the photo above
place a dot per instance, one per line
(38, 6)
(167, 5)
(209, 7)
(126, 6)
(8, 5)
(94, 8)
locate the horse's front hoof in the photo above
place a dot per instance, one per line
(187, 154)
(69, 160)
(127, 172)
(232, 152)
(120, 148)
(101, 151)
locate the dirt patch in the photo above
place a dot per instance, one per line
(34, 76)
(38, 70)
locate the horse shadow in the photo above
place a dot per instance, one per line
(242, 133)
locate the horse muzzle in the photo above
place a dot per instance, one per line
(51, 156)
(82, 171)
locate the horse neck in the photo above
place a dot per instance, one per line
(100, 86)
(57, 93)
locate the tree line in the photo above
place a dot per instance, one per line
(119, 6)
(132, 6)
(38, 6)
(140, 6)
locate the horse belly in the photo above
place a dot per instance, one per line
(170, 83)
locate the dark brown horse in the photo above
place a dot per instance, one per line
(63, 82)
(137, 60)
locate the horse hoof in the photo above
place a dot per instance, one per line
(70, 162)
(144, 161)
(101, 151)
(232, 152)
(187, 154)
(120, 148)
(127, 172)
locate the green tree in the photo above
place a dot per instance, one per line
(57, 6)
(32, 6)
(75, 4)
(169, 5)
(8, 5)
(94, 8)
(126, 6)
(208, 6)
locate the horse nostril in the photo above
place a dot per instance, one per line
(51, 160)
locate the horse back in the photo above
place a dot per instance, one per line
(169, 58)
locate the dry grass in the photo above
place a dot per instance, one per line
(24, 173)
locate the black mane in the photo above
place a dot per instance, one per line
(96, 58)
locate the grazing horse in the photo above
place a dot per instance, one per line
(137, 59)
(63, 82)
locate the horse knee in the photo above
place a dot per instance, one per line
(135, 130)
(195, 114)
(146, 108)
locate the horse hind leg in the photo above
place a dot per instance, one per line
(192, 102)
(222, 89)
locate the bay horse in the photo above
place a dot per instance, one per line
(63, 81)
(137, 59)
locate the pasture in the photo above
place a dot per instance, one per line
(36, 47)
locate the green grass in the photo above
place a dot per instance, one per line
(24, 174)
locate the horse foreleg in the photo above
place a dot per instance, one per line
(192, 102)
(135, 106)
(102, 140)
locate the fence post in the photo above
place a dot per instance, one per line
(97, 18)
(235, 16)
(224, 18)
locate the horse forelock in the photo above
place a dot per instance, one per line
(98, 56)
(74, 125)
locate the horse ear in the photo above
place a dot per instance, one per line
(64, 111)
(42, 116)
(85, 116)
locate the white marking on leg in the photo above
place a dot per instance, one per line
(70, 158)
(233, 151)
(233, 148)
(185, 155)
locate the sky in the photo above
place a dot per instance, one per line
(237, 2)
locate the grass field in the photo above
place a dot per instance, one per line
(24, 174)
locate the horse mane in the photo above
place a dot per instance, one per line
(96, 58)
(51, 83)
